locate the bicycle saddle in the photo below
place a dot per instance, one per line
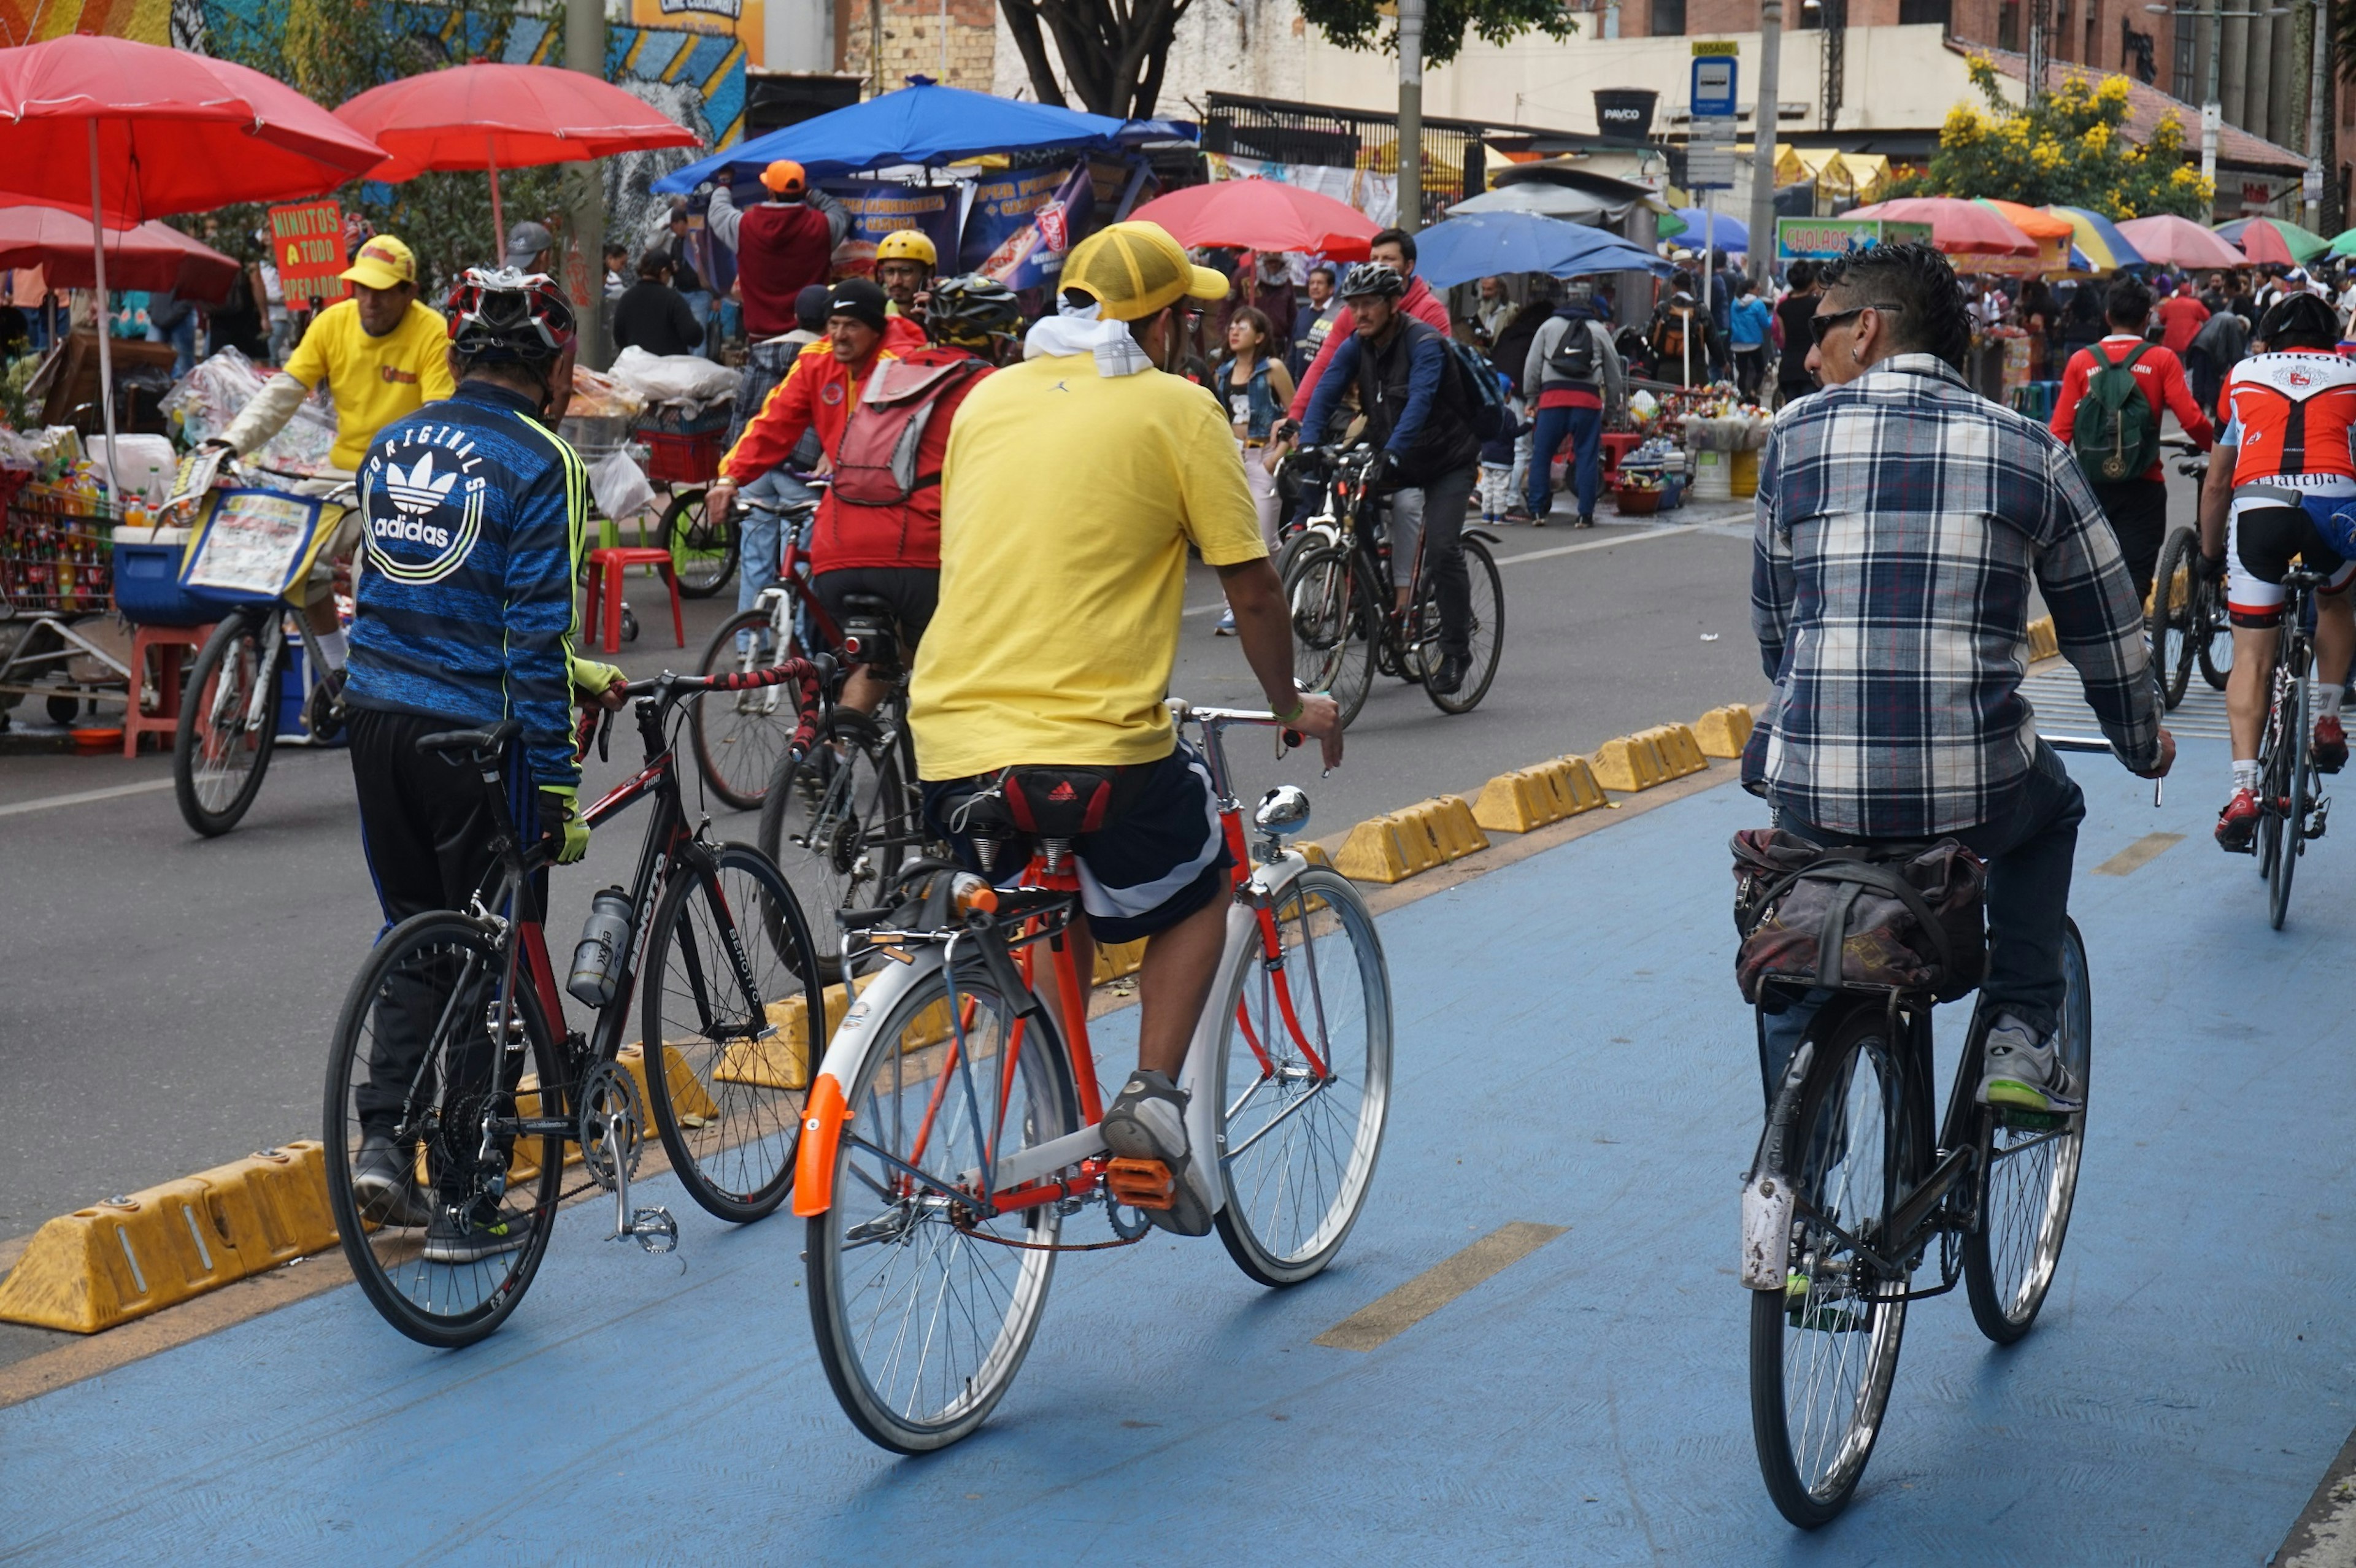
(476, 745)
(866, 604)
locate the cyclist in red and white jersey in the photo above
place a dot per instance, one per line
(2285, 463)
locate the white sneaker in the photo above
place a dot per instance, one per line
(1227, 626)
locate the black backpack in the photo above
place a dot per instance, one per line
(1483, 396)
(1574, 358)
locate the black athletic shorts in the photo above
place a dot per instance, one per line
(912, 591)
(1160, 861)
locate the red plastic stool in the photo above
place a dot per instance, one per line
(1617, 444)
(166, 720)
(606, 568)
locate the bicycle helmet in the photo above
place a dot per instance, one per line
(499, 315)
(1367, 278)
(2298, 321)
(907, 245)
(970, 311)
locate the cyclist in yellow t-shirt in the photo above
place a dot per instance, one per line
(1071, 487)
(382, 354)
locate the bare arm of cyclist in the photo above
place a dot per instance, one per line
(1265, 627)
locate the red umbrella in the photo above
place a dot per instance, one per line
(128, 131)
(2168, 240)
(511, 116)
(152, 256)
(1262, 215)
(1958, 228)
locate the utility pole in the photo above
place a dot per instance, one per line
(2327, 152)
(1764, 121)
(2213, 113)
(584, 258)
(1410, 115)
(2318, 85)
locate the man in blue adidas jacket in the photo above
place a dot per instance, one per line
(472, 515)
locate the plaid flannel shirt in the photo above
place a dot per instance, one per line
(1902, 518)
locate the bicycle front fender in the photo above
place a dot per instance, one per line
(827, 1110)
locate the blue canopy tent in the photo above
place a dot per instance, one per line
(925, 123)
(1476, 245)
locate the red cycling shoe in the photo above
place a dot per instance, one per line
(2237, 824)
(2330, 750)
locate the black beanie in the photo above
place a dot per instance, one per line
(859, 299)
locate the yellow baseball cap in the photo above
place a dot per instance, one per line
(383, 263)
(1134, 268)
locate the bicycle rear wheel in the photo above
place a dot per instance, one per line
(1824, 1350)
(2169, 623)
(1484, 635)
(922, 1299)
(1298, 1149)
(1335, 623)
(702, 548)
(2030, 1179)
(2289, 794)
(838, 825)
(229, 724)
(447, 1254)
(738, 736)
(723, 1098)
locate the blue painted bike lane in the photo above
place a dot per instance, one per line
(1571, 1052)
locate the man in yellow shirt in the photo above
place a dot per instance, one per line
(1072, 485)
(383, 354)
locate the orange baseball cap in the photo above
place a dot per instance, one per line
(784, 178)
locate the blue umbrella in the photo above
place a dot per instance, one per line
(1476, 245)
(922, 123)
(1726, 233)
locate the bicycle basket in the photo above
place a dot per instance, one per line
(1906, 918)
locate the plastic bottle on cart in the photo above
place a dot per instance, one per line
(604, 949)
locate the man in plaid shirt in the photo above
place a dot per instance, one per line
(1902, 519)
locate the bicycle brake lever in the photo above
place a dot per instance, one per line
(605, 734)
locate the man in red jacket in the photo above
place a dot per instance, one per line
(1395, 249)
(2181, 317)
(782, 245)
(2137, 508)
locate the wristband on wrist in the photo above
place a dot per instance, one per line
(1299, 707)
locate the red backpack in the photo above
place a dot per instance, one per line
(875, 462)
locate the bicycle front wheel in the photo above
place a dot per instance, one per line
(228, 725)
(2030, 1179)
(1484, 635)
(838, 823)
(1335, 623)
(1824, 1350)
(2169, 623)
(703, 547)
(441, 1203)
(728, 959)
(738, 736)
(1304, 1081)
(923, 1296)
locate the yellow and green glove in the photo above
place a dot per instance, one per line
(560, 818)
(591, 680)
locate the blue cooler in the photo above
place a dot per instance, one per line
(148, 578)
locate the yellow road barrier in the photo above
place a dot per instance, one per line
(1721, 731)
(1399, 844)
(2042, 643)
(1531, 798)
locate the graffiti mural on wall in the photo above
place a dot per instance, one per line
(32, 21)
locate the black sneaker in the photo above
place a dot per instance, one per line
(1147, 1121)
(1450, 676)
(384, 1180)
(1584, 520)
(469, 1236)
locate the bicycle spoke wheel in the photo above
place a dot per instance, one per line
(443, 1205)
(924, 1302)
(2272, 783)
(2294, 761)
(228, 725)
(1824, 1350)
(1484, 635)
(1333, 626)
(738, 736)
(1298, 1149)
(837, 824)
(703, 547)
(2030, 1181)
(2169, 623)
(729, 966)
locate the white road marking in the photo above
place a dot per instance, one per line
(112, 793)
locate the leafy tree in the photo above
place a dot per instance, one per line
(1113, 52)
(2067, 147)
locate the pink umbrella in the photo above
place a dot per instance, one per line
(2168, 241)
(512, 116)
(1262, 215)
(152, 256)
(1958, 228)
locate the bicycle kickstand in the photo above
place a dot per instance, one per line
(653, 1228)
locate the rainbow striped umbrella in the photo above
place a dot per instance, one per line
(2106, 249)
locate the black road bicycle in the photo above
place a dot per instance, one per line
(452, 1045)
(1337, 581)
(2291, 809)
(1851, 1189)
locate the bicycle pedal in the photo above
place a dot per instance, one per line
(1143, 1183)
(653, 1229)
(2021, 1120)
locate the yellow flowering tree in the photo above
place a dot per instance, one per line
(2067, 147)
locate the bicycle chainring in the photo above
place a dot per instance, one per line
(1128, 1229)
(609, 1096)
